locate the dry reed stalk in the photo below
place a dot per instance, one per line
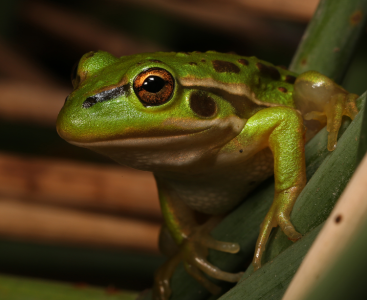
(29, 102)
(81, 185)
(34, 222)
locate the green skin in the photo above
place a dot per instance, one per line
(228, 123)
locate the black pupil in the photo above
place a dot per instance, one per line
(153, 84)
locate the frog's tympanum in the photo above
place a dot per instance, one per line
(210, 126)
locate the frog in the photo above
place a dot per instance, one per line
(210, 126)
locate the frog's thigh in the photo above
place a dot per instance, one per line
(320, 98)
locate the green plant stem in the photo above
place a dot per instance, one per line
(331, 38)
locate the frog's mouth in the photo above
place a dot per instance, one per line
(176, 149)
(207, 130)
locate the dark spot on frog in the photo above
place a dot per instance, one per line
(193, 63)
(139, 63)
(303, 61)
(356, 17)
(243, 61)
(282, 89)
(338, 218)
(225, 66)
(202, 104)
(290, 79)
(241, 150)
(203, 60)
(268, 71)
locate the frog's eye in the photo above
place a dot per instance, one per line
(154, 86)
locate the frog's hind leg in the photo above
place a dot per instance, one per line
(319, 98)
(186, 241)
(197, 264)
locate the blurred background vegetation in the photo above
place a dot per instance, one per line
(71, 215)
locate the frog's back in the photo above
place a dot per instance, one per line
(260, 81)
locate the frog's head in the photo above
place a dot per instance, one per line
(136, 111)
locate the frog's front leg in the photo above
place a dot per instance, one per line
(193, 241)
(282, 130)
(320, 98)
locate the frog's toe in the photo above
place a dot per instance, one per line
(202, 236)
(161, 287)
(265, 229)
(208, 241)
(350, 108)
(291, 233)
(316, 115)
(215, 272)
(199, 276)
(287, 227)
(332, 140)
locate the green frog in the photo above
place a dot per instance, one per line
(211, 127)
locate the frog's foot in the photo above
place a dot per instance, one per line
(340, 105)
(275, 216)
(319, 98)
(193, 252)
